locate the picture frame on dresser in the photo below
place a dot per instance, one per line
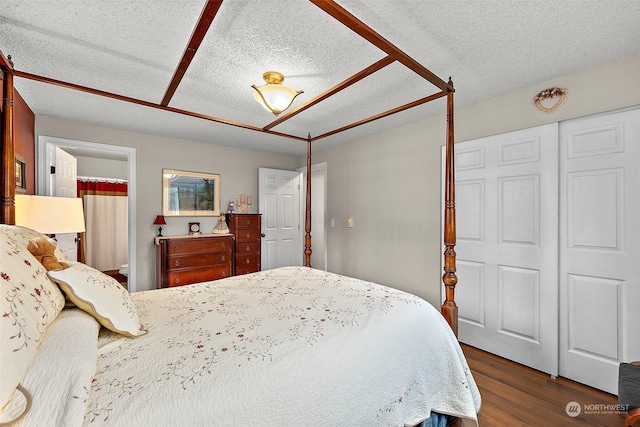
(186, 193)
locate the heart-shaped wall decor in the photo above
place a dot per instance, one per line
(554, 92)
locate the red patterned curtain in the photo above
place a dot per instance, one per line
(101, 188)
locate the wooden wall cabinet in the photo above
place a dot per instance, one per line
(248, 231)
(183, 260)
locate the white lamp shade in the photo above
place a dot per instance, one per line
(50, 215)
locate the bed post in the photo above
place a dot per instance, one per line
(449, 308)
(7, 179)
(307, 216)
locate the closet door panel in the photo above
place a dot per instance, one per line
(600, 247)
(507, 250)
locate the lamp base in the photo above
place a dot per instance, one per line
(159, 232)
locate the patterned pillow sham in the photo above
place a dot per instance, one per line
(101, 296)
(29, 303)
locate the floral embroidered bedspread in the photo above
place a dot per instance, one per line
(293, 346)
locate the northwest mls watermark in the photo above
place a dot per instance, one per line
(573, 409)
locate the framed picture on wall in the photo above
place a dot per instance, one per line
(21, 176)
(190, 193)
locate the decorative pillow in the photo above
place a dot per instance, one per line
(29, 303)
(101, 296)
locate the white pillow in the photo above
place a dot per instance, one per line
(101, 296)
(29, 303)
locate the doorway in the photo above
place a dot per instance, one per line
(47, 144)
(279, 199)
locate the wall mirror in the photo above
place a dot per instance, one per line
(190, 193)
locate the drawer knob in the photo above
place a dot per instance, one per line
(224, 245)
(248, 248)
(177, 263)
(248, 222)
(177, 280)
(248, 234)
(176, 247)
(224, 274)
(248, 261)
(224, 258)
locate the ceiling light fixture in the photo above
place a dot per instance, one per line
(274, 96)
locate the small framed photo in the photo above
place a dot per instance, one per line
(21, 176)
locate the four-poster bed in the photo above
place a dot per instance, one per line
(354, 289)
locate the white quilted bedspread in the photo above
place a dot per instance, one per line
(287, 347)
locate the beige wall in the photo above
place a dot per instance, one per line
(238, 171)
(102, 168)
(390, 183)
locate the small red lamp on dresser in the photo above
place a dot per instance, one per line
(159, 222)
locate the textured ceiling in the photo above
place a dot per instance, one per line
(132, 48)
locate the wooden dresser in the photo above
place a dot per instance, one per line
(248, 232)
(182, 260)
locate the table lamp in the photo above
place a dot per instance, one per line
(159, 222)
(50, 215)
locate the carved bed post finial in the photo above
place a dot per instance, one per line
(307, 217)
(449, 308)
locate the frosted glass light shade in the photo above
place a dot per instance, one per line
(50, 215)
(274, 96)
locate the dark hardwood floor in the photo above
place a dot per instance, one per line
(514, 395)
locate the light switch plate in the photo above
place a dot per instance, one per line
(350, 223)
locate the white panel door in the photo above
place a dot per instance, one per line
(600, 247)
(507, 250)
(279, 204)
(64, 184)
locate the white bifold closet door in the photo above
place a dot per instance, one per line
(600, 247)
(507, 257)
(549, 246)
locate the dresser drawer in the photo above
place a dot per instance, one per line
(248, 221)
(247, 247)
(184, 260)
(197, 245)
(187, 277)
(248, 260)
(199, 260)
(247, 235)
